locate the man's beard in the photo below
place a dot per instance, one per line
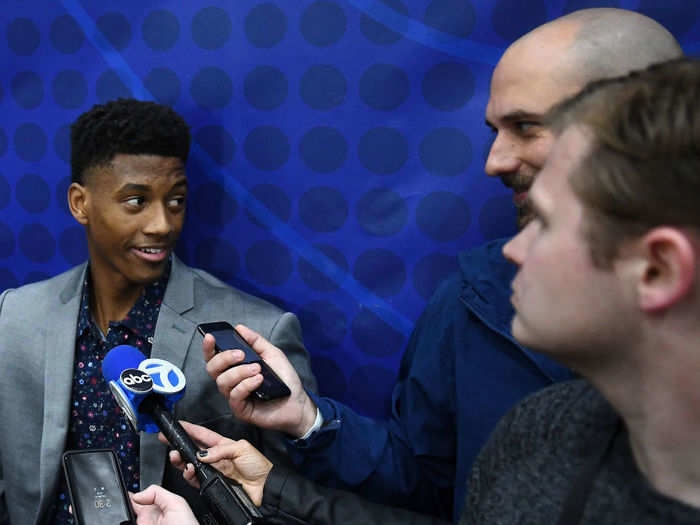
(523, 213)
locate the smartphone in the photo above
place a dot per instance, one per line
(228, 338)
(96, 488)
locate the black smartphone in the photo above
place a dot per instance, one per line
(96, 488)
(228, 338)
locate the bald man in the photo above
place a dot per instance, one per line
(462, 369)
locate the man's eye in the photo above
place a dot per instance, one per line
(176, 201)
(525, 126)
(135, 201)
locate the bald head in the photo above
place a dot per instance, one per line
(551, 63)
(611, 42)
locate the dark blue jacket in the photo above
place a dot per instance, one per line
(462, 370)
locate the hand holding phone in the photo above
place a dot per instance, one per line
(228, 338)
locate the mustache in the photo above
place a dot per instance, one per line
(517, 181)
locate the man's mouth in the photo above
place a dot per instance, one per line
(519, 197)
(151, 254)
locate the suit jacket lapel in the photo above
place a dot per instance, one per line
(172, 339)
(58, 346)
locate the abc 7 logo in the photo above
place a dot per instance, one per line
(136, 380)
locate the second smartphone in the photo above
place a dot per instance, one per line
(228, 338)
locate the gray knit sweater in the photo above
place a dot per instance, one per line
(526, 469)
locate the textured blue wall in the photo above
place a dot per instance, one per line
(339, 146)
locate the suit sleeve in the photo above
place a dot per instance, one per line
(407, 461)
(286, 334)
(290, 498)
(4, 516)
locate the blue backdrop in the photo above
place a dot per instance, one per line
(338, 146)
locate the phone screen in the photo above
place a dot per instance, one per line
(227, 338)
(96, 488)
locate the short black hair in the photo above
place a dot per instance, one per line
(127, 126)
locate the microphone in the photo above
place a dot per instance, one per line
(146, 391)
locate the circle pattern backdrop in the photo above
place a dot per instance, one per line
(338, 147)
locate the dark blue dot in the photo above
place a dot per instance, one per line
(4, 192)
(323, 87)
(110, 87)
(324, 323)
(164, 85)
(314, 278)
(443, 216)
(511, 19)
(331, 380)
(7, 241)
(498, 217)
(211, 28)
(374, 336)
(30, 142)
(456, 17)
(61, 143)
(160, 30)
(62, 193)
(66, 35)
(27, 89)
(217, 142)
(381, 271)
(678, 16)
(323, 209)
(448, 86)
(211, 88)
(379, 33)
(430, 271)
(382, 212)
(116, 29)
(7, 279)
(23, 36)
(367, 385)
(323, 23)
(266, 148)
(323, 149)
(37, 243)
(265, 87)
(274, 199)
(384, 87)
(218, 256)
(269, 262)
(265, 25)
(446, 151)
(33, 277)
(70, 89)
(3, 142)
(213, 205)
(72, 245)
(383, 150)
(33, 193)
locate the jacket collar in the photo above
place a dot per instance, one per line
(486, 291)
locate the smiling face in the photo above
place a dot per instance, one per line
(563, 302)
(133, 210)
(531, 77)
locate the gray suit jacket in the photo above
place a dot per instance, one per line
(37, 347)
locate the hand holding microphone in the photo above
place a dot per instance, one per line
(146, 390)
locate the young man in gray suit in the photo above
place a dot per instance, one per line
(129, 191)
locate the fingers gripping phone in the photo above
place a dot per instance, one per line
(96, 488)
(228, 338)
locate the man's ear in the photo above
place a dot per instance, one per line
(668, 271)
(77, 202)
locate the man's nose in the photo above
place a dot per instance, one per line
(514, 250)
(159, 221)
(502, 157)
